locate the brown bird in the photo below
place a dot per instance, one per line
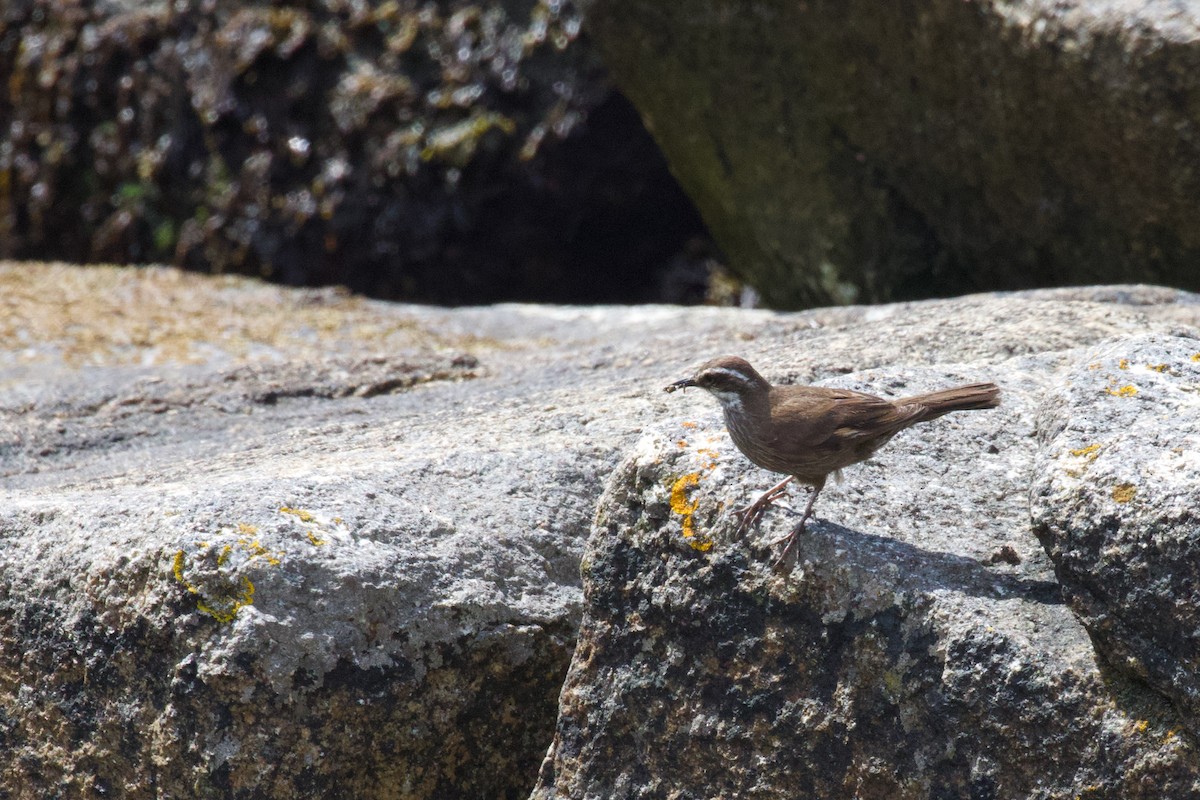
(811, 432)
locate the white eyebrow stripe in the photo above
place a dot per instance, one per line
(732, 373)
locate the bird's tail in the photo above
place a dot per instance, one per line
(961, 398)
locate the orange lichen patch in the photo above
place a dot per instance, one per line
(1090, 452)
(710, 454)
(1158, 367)
(1124, 492)
(1124, 391)
(682, 443)
(685, 508)
(694, 424)
(1123, 363)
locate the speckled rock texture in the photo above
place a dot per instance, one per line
(452, 151)
(269, 543)
(857, 151)
(1115, 503)
(919, 645)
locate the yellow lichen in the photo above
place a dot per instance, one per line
(256, 550)
(1123, 363)
(180, 559)
(1141, 725)
(300, 513)
(687, 509)
(1124, 391)
(1091, 451)
(224, 602)
(1157, 367)
(223, 610)
(1195, 356)
(247, 529)
(1124, 492)
(312, 533)
(229, 609)
(679, 499)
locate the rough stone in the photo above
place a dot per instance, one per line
(919, 647)
(1114, 502)
(857, 151)
(447, 151)
(263, 543)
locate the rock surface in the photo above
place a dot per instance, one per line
(861, 152)
(1115, 502)
(269, 543)
(452, 151)
(919, 647)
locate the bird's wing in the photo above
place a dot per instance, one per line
(839, 415)
(864, 416)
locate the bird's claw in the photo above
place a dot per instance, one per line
(749, 516)
(792, 537)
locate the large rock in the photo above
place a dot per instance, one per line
(1114, 503)
(453, 151)
(919, 648)
(269, 543)
(862, 151)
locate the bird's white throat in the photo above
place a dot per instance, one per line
(731, 401)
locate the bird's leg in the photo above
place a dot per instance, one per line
(793, 535)
(748, 516)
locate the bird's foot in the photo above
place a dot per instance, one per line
(792, 538)
(749, 516)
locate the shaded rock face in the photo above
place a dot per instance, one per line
(918, 647)
(1115, 504)
(861, 152)
(452, 152)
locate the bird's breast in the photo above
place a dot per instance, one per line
(748, 435)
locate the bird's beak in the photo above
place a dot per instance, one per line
(683, 384)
